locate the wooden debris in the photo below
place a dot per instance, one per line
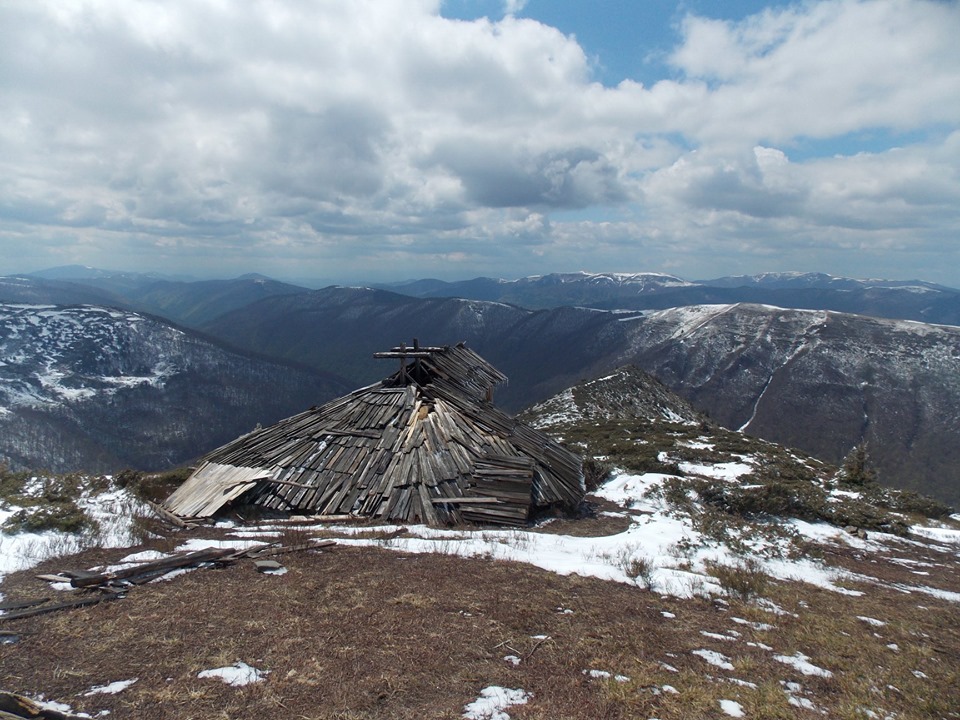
(68, 605)
(423, 445)
(166, 515)
(53, 578)
(314, 519)
(20, 604)
(270, 552)
(108, 582)
(156, 568)
(144, 572)
(16, 707)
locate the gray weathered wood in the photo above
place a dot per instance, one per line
(396, 450)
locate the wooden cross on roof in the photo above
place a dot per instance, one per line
(404, 353)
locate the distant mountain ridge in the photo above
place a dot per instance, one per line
(187, 303)
(903, 300)
(821, 281)
(85, 272)
(194, 303)
(30, 290)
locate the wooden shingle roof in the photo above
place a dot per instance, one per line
(423, 445)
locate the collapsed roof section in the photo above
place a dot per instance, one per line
(424, 445)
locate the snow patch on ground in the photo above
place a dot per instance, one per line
(194, 544)
(58, 707)
(606, 675)
(237, 675)
(492, 703)
(110, 688)
(727, 471)
(677, 555)
(938, 534)
(731, 708)
(714, 658)
(801, 662)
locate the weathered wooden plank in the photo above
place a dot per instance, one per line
(464, 500)
(171, 563)
(17, 707)
(211, 487)
(70, 604)
(20, 604)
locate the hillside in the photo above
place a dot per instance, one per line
(708, 575)
(338, 329)
(100, 389)
(194, 303)
(819, 381)
(39, 291)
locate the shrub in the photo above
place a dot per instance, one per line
(154, 487)
(128, 478)
(802, 500)
(743, 581)
(60, 516)
(639, 568)
(906, 501)
(857, 469)
(11, 483)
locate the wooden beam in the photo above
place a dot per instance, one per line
(171, 563)
(402, 354)
(43, 610)
(464, 500)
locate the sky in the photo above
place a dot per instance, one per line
(378, 140)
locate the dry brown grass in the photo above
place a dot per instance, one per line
(371, 633)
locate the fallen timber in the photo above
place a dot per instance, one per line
(67, 605)
(154, 568)
(114, 584)
(213, 556)
(19, 707)
(21, 604)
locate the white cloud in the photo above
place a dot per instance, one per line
(512, 7)
(348, 134)
(828, 68)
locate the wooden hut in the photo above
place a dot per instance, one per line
(425, 444)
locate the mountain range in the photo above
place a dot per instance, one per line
(194, 303)
(819, 380)
(903, 300)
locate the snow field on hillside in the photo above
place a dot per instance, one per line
(113, 510)
(660, 549)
